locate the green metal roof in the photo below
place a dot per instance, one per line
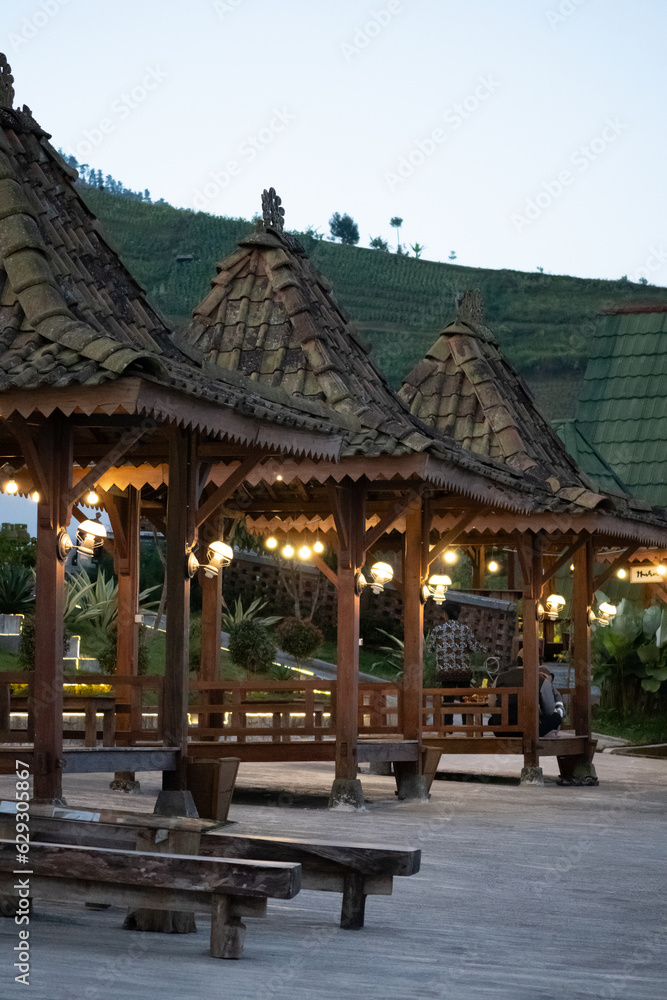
(622, 410)
(588, 458)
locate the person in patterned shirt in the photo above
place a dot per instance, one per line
(452, 643)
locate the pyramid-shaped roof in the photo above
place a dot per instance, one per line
(271, 316)
(622, 405)
(465, 388)
(71, 314)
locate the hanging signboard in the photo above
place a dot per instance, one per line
(646, 574)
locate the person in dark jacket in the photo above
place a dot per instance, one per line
(552, 709)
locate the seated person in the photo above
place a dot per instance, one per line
(552, 709)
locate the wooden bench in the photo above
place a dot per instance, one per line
(227, 889)
(355, 870)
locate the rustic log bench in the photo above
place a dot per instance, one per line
(355, 870)
(227, 889)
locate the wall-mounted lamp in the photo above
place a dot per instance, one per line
(554, 604)
(604, 616)
(219, 555)
(381, 574)
(436, 588)
(90, 536)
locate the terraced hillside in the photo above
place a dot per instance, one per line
(544, 322)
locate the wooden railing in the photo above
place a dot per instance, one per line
(380, 708)
(279, 711)
(440, 706)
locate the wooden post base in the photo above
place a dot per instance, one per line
(354, 902)
(346, 792)
(382, 767)
(531, 776)
(410, 783)
(125, 781)
(577, 771)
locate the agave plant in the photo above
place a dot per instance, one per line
(251, 613)
(17, 587)
(96, 601)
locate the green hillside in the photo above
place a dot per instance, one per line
(544, 322)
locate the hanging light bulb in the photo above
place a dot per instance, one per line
(318, 547)
(571, 567)
(288, 551)
(12, 487)
(34, 496)
(662, 569)
(451, 556)
(621, 574)
(271, 542)
(279, 478)
(304, 552)
(92, 499)
(493, 566)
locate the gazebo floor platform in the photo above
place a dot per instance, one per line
(305, 750)
(89, 760)
(565, 746)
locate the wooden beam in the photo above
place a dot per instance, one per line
(530, 718)
(608, 571)
(335, 493)
(112, 457)
(320, 564)
(387, 521)
(111, 507)
(660, 591)
(231, 483)
(18, 425)
(449, 537)
(567, 556)
(413, 622)
(581, 644)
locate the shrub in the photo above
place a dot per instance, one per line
(16, 589)
(299, 637)
(27, 643)
(251, 646)
(107, 655)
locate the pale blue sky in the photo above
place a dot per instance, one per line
(485, 103)
(218, 72)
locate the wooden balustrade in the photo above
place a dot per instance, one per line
(474, 705)
(380, 708)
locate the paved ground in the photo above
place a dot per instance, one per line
(525, 894)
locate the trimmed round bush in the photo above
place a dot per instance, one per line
(251, 646)
(299, 637)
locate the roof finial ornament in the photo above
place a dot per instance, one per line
(471, 307)
(6, 83)
(273, 213)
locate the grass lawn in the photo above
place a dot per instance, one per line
(8, 661)
(641, 729)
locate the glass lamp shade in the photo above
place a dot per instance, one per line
(554, 604)
(437, 587)
(219, 554)
(381, 573)
(89, 535)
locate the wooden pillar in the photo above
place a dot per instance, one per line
(350, 525)
(408, 777)
(530, 719)
(181, 511)
(211, 609)
(479, 568)
(581, 653)
(125, 514)
(56, 458)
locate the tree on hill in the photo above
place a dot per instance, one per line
(344, 228)
(377, 243)
(452, 255)
(417, 249)
(397, 222)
